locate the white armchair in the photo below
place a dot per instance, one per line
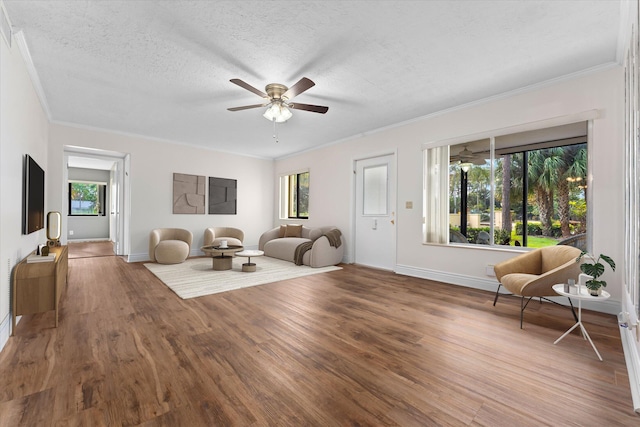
(169, 245)
(214, 235)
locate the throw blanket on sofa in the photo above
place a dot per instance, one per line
(334, 240)
(301, 249)
(334, 237)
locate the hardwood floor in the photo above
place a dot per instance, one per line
(90, 249)
(355, 347)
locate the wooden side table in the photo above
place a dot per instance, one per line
(583, 294)
(37, 286)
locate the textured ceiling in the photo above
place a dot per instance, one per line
(162, 68)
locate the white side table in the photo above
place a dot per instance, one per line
(582, 295)
(249, 266)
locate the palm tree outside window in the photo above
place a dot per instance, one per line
(526, 189)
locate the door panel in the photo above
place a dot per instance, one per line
(375, 212)
(114, 208)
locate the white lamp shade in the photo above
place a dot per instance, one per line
(278, 112)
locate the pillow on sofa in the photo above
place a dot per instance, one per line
(283, 229)
(293, 231)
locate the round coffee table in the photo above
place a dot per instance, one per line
(222, 257)
(249, 266)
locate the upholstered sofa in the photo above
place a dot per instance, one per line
(315, 247)
(169, 245)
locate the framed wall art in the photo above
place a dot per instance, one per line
(223, 195)
(188, 193)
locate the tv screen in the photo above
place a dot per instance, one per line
(33, 196)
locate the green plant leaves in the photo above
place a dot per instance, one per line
(594, 270)
(609, 261)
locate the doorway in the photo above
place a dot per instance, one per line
(375, 204)
(112, 226)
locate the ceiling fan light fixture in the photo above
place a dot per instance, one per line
(466, 166)
(277, 112)
(466, 153)
(277, 98)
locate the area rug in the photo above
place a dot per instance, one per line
(195, 277)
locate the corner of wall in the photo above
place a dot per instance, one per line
(5, 331)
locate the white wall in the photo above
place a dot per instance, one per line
(331, 176)
(152, 166)
(23, 130)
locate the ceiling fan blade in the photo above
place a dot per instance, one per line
(313, 108)
(246, 107)
(302, 85)
(248, 87)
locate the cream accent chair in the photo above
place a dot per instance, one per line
(169, 245)
(533, 274)
(214, 235)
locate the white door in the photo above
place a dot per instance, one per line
(114, 210)
(375, 234)
(118, 220)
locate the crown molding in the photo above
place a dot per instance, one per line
(150, 138)
(31, 69)
(627, 10)
(472, 104)
(5, 25)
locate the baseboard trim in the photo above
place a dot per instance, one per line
(632, 360)
(5, 331)
(450, 278)
(138, 257)
(490, 284)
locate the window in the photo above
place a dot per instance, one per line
(375, 190)
(294, 196)
(522, 189)
(87, 198)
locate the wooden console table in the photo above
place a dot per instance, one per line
(37, 286)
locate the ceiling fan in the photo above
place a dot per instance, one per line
(468, 156)
(278, 99)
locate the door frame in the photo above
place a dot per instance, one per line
(123, 219)
(354, 211)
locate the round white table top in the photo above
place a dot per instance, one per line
(250, 253)
(584, 293)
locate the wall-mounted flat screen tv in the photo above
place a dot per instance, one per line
(33, 198)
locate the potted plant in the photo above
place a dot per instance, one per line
(595, 269)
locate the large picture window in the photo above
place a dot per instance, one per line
(523, 189)
(294, 196)
(87, 198)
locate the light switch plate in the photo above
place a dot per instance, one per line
(489, 271)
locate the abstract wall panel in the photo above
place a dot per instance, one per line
(188, 194)
(223, 195)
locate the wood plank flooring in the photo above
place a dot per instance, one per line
(90, 249)
(355, 347)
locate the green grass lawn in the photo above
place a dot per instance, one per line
(534, 241)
